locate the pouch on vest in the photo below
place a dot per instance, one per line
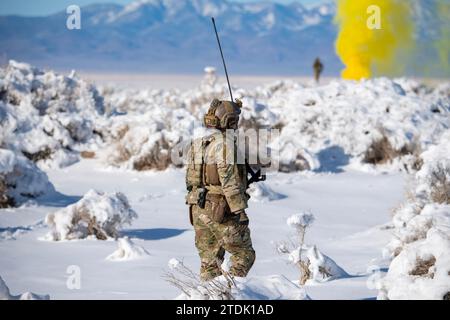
(212, 175)
(195, 196)
(219, 207)
(194, 165)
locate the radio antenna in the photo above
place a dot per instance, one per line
(223, 60)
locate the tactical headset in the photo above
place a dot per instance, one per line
(230, 113)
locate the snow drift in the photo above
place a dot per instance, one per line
(14, 233)
(127, 250)
(261, 192)
(96, 214)
(420, 248)
(5, 294)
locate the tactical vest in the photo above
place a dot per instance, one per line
(202, 171)
(200, 174)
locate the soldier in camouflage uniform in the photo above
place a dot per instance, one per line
(217, 195)
(318, 68)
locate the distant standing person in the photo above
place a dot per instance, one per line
(318, 68)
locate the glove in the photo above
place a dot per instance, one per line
(242, 217)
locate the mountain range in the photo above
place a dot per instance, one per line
(176, 36)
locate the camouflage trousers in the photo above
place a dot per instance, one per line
(213, 239)
(317, 75)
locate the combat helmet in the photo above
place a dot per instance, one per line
(223, 114)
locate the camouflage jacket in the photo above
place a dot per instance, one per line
(221, 171)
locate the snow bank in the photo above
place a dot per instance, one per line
(20, 179)
(5, 294)
(261, 192)
(45, 116)
(127, 250)
(420, 247)
(96, 214)
(276, 287)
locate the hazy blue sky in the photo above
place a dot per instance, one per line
(44, 7)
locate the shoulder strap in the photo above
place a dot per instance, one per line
(205, 142)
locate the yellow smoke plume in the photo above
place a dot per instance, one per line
(443, 43)
(366, 51)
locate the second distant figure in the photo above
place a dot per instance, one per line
(318, 68)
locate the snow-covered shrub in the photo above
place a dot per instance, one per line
(87, 154)
(295, 250)
(373, 122)
(312, 264)
(5, 201)
(323, 268)
(227, 287)
(45, 116)
(421, 269)
(420, 247)
(261, 192)
(97, 214)
(145, 139)
(5, 294)
(292, 157)
(440, 184)
(152, 123)
(20, 179)
(192, 287)
(51, 118)
(430, 190)
(359, 117)
(300, 222)
(140, 148)
(381, 151)
(127, 250)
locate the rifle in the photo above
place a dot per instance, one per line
(254, 176)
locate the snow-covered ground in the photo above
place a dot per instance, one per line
(79, 162)
(352, 212)
(420, 245)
